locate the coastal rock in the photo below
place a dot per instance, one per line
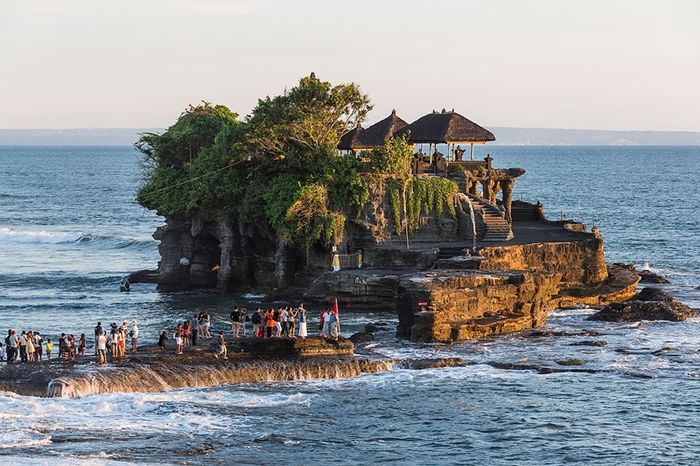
(292, 347)
(646, 276)
(599, 343)
(420, 364)
(649, 304)
(373, 327)
(550, 333)
(650, 293)
(361, 337)
(447, 305)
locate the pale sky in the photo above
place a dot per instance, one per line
(593, 64)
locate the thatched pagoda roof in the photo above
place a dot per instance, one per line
(353, 140)
(379, 132)
(445, 128)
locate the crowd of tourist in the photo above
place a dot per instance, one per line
(281, 322)
(30, 346)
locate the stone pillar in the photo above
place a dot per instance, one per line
(507, 187)
(471, 186)
(486, 185)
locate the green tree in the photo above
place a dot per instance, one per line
(304, 125)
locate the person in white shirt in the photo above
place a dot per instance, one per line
(135, 337)
(101, 346)
(284, 319)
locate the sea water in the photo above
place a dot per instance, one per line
(70, 230)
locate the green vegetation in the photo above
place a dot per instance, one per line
(423, 197)
(279, 166)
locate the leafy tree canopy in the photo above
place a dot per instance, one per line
(279, 166)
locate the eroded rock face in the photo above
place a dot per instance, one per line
(649, 304)
(369, 288)
(462, 305)
(199, 254)
(578, 262)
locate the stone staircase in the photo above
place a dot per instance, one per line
(496, 227)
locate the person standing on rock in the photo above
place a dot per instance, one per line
(320, 322)
(177, 335)
(256, 319)
(301, 313)
(284, 322)
(38, 342)
(31, 351)
(49, 348)
(135, 337)
(243, 318)
(22, 346)
(334, 321)
(98, 328)
(100, 347)
(235, 317)
(207, 325)
(222, 346)
(269, 323)
(291, 323)
(194, 329)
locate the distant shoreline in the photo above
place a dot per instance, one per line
(505, 136)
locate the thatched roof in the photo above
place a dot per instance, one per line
(353, 139)
(379, 132)
(444, 128)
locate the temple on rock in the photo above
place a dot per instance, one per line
(442, 242)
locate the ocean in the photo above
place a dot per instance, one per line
(70, 230)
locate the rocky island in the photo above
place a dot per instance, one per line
(300, 200)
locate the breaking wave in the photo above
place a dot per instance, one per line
(10, 235)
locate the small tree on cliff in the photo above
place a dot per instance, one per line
(304, 125)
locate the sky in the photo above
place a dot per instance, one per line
(590, 64)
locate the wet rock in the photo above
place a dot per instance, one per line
(650, 277)
(590, 343)
(377, 327)
(549, 333)
(361, 337)
(646, 276)
(654, 294)
(663, 307)
(419, 364)
(570, 362)
(542, 369)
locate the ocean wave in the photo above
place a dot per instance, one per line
(10, 235)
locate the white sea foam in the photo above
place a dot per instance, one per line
(11, 235)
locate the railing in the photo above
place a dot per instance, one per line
(347, 261)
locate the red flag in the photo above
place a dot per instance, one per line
(335, 306)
